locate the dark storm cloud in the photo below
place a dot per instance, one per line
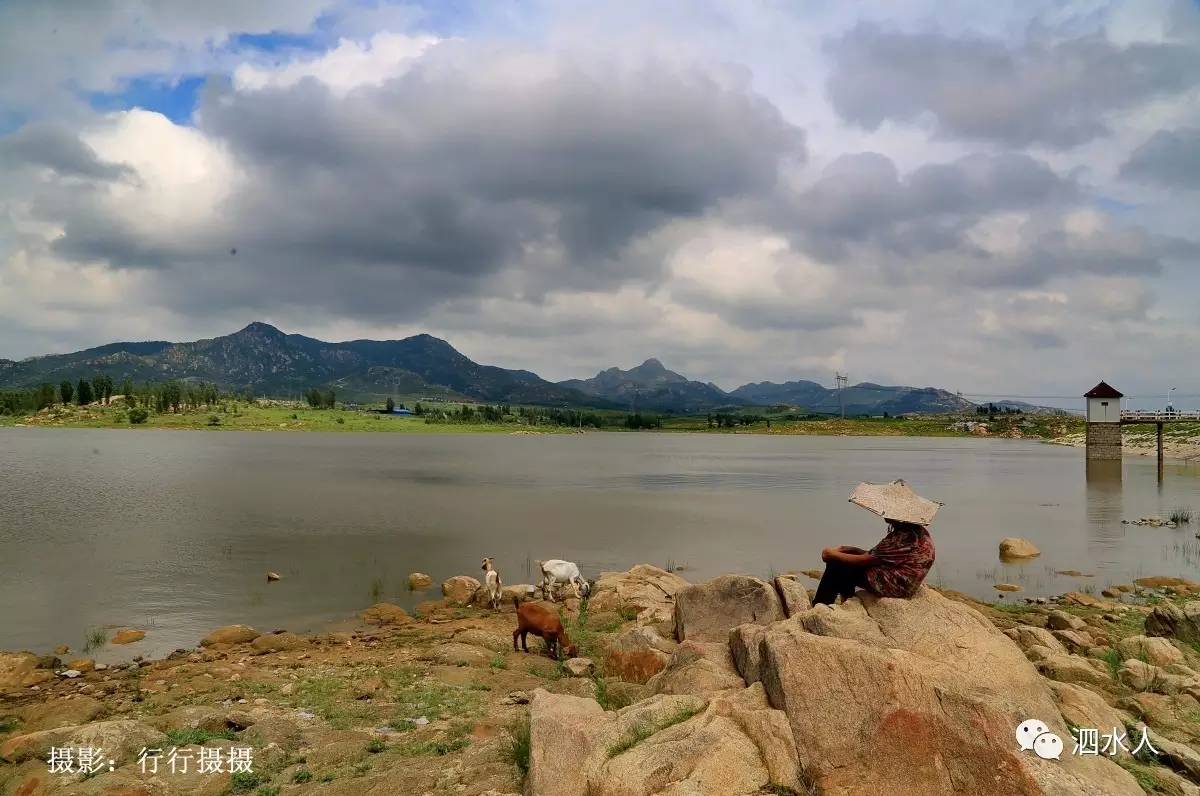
(863, 194)
(923, 226)
(1056, 93)
(57, 148)
(432, 183)
(1170, 158)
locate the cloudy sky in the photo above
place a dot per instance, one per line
(995, 198)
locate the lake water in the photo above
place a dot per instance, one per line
(173, 532)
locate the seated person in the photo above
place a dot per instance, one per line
(895, 567)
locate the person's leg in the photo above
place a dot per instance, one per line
(853, 578)
(833, 582)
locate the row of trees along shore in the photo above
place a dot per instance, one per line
(168, 396)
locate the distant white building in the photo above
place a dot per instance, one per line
(1103, 404)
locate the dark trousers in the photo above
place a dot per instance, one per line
(839, 579)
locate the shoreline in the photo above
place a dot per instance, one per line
(437, 702)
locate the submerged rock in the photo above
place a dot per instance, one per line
(128, 636)
(418, 581)
(1015, 547)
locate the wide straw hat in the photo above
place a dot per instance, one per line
(895, 501)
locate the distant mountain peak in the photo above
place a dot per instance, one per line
(653, 363)
(259, 328)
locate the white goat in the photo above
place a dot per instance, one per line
(558, 571)
(492, 585)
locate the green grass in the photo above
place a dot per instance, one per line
(643, 730)
(301, 776)
(498, 662)
(9, 723)
(433, 748)
(197, 736)
(95, 639)
(244, 781)
(1145, 780)
(516, 750)
(376, 746)
(416, 696)
(607, 699)
(330, 698)
(1112, 659)
(267, 790)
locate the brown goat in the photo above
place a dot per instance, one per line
(541, 620)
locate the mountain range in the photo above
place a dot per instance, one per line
(267, 362)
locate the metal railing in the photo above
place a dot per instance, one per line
(1159, 415)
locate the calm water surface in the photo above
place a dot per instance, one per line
(172, 532)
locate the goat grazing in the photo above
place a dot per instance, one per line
(492, 585)
(542, 621)
(557, 571)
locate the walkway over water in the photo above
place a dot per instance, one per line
(1159, 416)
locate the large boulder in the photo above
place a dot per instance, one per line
(926, 702)
(1152, 649)
(733, 745)
(793, 594)
(708, 611)
(121, 739)
(384, 614)
(128, 635)
(277, 642)
(645, 590)
(460, 589)
(698, 668)
(1173, 621)
(1013, 547)
(18, 670)
(637, 654)
(230, 634)
(418, 581)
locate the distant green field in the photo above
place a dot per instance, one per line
(248, 417)
(239, 415)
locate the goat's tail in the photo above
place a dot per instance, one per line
(516, 602)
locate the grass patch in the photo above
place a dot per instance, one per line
(197, 736)
(516, 751)
(328, 777)
(607, 699)
(438, 748)
(643, 730)
(417, 696)
(301, 776)
(330, 698)
(9, 723)
(95, 639)
(376, 746)
(498, 662)
(267, 790)
(1181, 516)
(1145, 780)
(244, 781)
(1112, 659)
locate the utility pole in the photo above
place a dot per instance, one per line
(841, 380)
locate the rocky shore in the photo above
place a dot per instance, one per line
(736, 686)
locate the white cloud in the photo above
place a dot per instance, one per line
(347, 66)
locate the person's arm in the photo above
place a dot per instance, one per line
(849, 559)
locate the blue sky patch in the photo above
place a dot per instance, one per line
(175, 99)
